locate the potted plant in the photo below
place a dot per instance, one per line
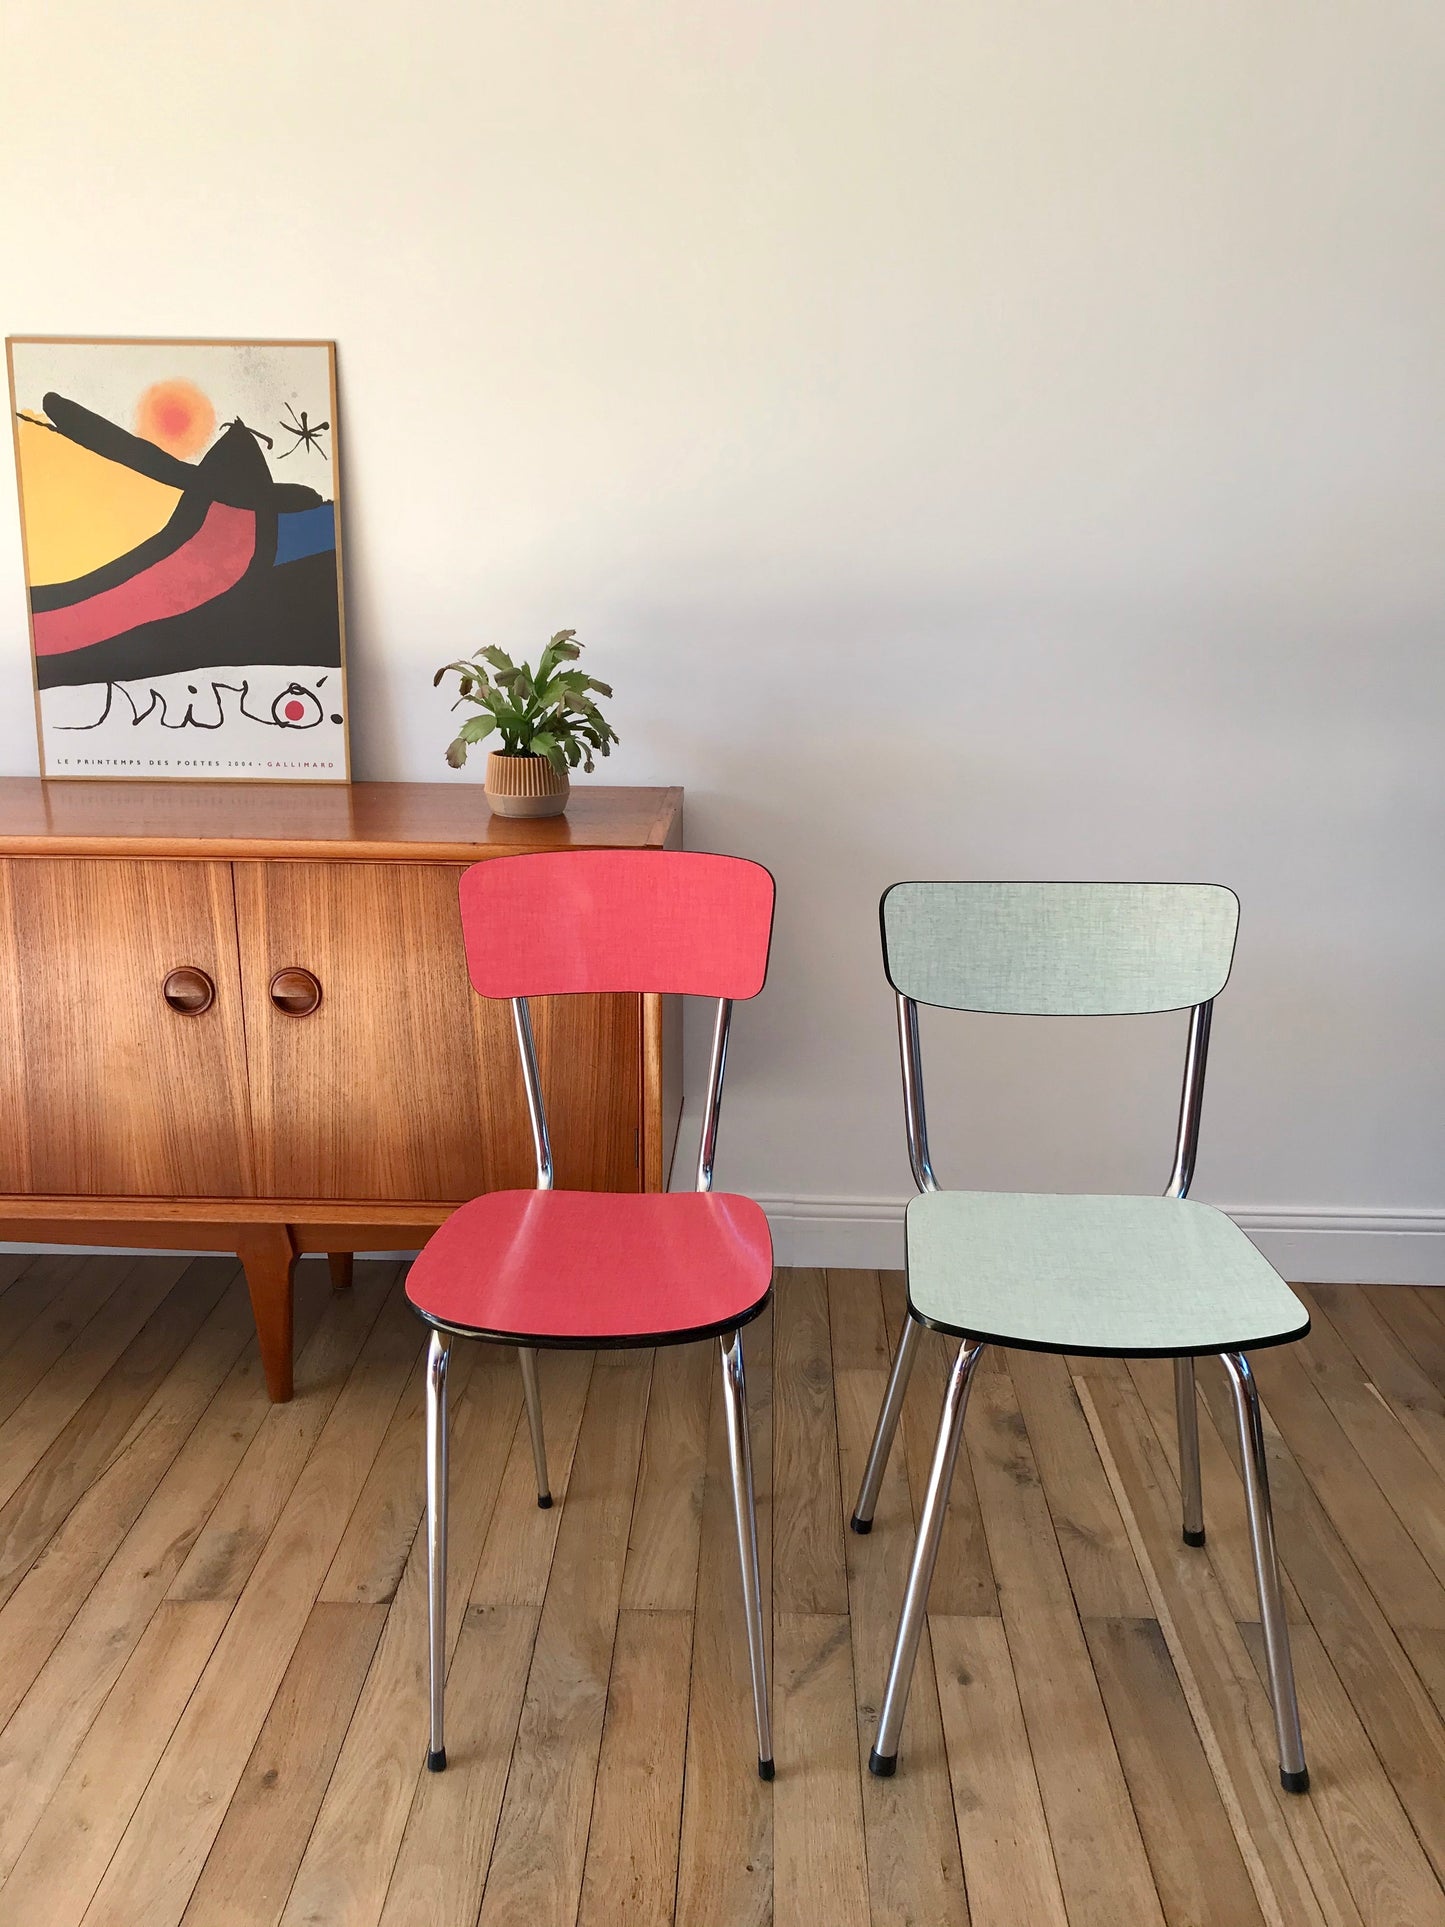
(547, 719)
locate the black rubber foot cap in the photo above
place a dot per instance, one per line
(860, 1525)
(1193, 1538)
(765, 1769)
(544, 1501)
(1295, 1782)
(437, 1762)
(882, 1766)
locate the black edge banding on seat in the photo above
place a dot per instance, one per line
(1295, 1782)
(1193, 1538)
(437, 1762)
(544, 1501)
(608, 1341)
(860, 1525)
(1015, 1343)
(882, 1766)
(765, 1769)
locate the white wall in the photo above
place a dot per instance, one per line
(996, 439)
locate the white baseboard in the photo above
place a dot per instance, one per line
(1324, 1247)
(1317, 1246)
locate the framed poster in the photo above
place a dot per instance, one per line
(178, 508)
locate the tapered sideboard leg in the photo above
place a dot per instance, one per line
(342, 1265)
(268, 1256)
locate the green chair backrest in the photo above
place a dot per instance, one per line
(1059, 949)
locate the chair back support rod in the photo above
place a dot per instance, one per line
(712, 1103)
(910, 1051)
(1191, 1101)
(536, 1109)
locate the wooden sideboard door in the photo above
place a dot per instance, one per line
(112, 1090)
(401, 1083)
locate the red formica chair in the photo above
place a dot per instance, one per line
(568, 1269)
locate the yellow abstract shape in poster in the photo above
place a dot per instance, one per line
(80, 510)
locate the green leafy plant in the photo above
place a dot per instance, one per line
(547, 711)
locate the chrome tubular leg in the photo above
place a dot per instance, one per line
(740, 1453)
(438, 1352)
(1293, 1773)
(883, 1760)
(527, 1359)
(1186, 1412)
(888, 1415)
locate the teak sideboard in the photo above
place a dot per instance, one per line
(237, 1018)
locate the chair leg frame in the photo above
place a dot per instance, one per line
(883, 1759)
(438, 1354)
(883, 1433)
(1293, 1773)
(740, 1456)
(527, 1360)
(1186, 1412)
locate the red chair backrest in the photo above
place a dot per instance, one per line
(673, 921)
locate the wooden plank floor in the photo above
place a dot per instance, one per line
(213, 1628)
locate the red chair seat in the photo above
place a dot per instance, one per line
(596, 1267)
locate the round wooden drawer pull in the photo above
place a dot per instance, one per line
(188, 991)
(295, 992)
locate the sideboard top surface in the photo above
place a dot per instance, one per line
(357, 822)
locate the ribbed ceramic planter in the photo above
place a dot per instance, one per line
(525, 786)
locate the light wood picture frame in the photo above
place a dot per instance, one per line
(180, 523)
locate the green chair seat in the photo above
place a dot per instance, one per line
(1122, 1277)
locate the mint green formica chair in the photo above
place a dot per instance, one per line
(1133, 1277)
